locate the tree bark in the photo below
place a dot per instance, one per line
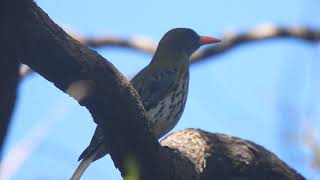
(11, 12)
(219, 156)
(103, 90)
(116, 108)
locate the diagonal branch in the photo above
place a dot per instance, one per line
(9, 64)
(102, 89)
(115, 106)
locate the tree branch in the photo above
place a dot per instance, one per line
(103, 90)
(219, 156)
(230, 40)
(115, 106)
(8, 80)
(8, 60)
(137, 43)
(259, 33)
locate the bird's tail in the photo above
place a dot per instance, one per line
(84, 164)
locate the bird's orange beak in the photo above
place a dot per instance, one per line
(208, 40)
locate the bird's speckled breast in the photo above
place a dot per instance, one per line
(167, 113)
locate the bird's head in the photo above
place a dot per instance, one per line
(184, 41)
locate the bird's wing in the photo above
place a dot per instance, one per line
(154, 87)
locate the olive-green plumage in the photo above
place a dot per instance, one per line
(162, 86)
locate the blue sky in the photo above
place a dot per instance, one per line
(264, 92)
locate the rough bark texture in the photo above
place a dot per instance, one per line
(219, 156)
(109, 97)
(115, 106)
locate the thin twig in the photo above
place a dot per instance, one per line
(261, 32)
(137, 43)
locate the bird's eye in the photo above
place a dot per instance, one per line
(194, 43)
(191, 48)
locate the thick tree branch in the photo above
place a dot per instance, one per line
(10, 16)
(103, 90)
(115, 106)
(219, 156)
(8, 80)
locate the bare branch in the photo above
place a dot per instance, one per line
(220, 156)
(112, 101)
(259, 33)
(8, 60)
(8, 80)
(116, 108)
(230, 40)
(138, 43)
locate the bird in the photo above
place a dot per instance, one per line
(162, 86)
